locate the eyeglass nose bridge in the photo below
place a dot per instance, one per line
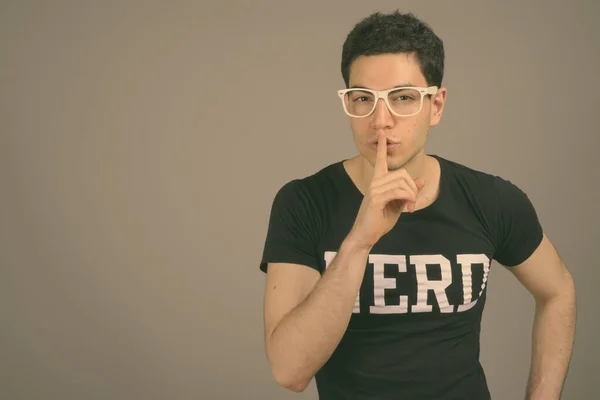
(383, 95)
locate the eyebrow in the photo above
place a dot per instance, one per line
(397, 86)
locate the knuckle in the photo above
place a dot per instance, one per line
(408, 181)
(402, 183)
(402, 174)
(406, 175)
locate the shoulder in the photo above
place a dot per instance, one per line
(307, 198)
(483, 184)
(506, 210)
(493, 197)
(310, 187)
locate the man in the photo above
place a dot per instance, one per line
(377, 265)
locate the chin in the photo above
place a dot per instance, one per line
(397, 161)
(397, 164)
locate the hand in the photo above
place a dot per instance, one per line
(388, 195)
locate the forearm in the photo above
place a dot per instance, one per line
(306, 337)
(552, 344)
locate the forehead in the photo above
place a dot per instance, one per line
(384, 71)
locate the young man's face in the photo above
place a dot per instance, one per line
(385, 71)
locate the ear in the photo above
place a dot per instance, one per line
(437, 106)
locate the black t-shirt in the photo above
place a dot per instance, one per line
(414, 332)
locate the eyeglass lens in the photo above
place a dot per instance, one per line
(403, 101)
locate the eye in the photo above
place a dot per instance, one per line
(360, 96)
(404, 97)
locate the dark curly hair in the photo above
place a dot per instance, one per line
(395, 33)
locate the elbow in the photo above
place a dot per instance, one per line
(289, 378)
(294, 385)
(564, 293)
(291, 383)
(286, 370)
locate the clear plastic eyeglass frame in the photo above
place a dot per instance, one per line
(383, 94)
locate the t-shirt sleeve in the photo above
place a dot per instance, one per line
(518, 231)
(292, 230)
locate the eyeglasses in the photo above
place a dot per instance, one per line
(402, 102)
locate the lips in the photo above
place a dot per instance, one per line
(387, 142)
(391, 146)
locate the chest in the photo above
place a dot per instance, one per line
(431, 266)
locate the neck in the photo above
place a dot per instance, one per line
(420, 166)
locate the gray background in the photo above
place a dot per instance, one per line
(141, 145)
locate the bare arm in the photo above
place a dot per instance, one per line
(303, 340)
(551, 284)
(306, 317)
(553, 331)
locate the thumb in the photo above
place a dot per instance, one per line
(420, 182)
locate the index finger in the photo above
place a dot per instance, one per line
(381, 167)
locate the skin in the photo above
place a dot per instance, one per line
(381, 72)
(544, 275)
(306, 314)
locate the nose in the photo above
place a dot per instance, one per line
(382, 117)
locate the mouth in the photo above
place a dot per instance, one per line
(387, 142)
(391, 146)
